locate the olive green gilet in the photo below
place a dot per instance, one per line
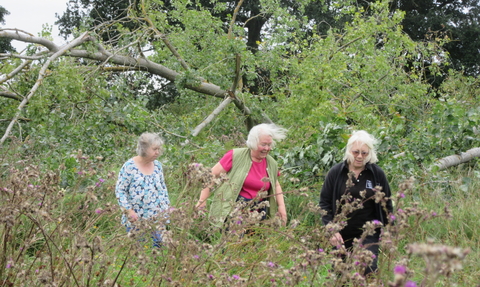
(226, 194)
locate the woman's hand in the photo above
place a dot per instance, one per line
(132, 215)
(282, 213)
(282, 210)
(201, 204)
(336, 240)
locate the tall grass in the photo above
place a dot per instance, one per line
(62, 228)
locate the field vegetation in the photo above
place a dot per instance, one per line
(69, 123)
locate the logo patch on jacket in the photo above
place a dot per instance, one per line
(369, 184)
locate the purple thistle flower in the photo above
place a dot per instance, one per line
(8, 266)
(236, 277)
(399, 269)
(210, 276)
(410, 284)
(101, 180)
(402, 195)
(98, 211)
(196, 256)
(320, 250)
(392, 217)
(271, 264)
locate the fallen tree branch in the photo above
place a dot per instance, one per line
(41, 75)
(224, 104)
(14, 72)
(125, 62)
(211, 116)
(457, 159)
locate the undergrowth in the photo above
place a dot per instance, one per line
(62, 228)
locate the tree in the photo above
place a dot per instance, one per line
(341, 78)
(5, 44)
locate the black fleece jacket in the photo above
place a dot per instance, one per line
(331, 191)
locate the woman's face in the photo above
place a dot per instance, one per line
(264, 146)
(359, 152)
(152, 153)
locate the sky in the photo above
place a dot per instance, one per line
(30, 15)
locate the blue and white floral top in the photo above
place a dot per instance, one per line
(147, 195)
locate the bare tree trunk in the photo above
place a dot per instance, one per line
(457, 159)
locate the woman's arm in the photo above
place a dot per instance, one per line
(205, 193)
(282, 210)
(121, 192)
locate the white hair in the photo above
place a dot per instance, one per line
(361, 137)
(147, 140)
(276, 132)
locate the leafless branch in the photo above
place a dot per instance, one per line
(41, 76)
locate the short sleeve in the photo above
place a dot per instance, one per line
(226, 161)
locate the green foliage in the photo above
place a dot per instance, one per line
(82, 124)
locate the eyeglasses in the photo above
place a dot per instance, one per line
(357, 153)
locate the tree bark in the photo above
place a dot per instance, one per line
(457, 159)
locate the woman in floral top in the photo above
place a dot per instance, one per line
(141, 189)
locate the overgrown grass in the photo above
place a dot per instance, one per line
(62, 228)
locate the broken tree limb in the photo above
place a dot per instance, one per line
(232, 96)
(41, 75)
(211, 116)
(457, 159)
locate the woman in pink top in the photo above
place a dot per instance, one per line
(255, 162)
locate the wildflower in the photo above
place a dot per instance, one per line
(410, 284)
(101, 180)
(399, 269)
(271, 264)
(8, 266)
(210, 276)
(320, 250)
(98, 211)
(392, 217)
(236, 277)
(196, 256)
(402, 195)
(434, 213)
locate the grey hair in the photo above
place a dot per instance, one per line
(276, 132)
(147, 140)
(361, 137)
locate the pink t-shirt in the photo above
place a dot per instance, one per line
(256, 180)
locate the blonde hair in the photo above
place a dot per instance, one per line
(361, 137)
(276, 132)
